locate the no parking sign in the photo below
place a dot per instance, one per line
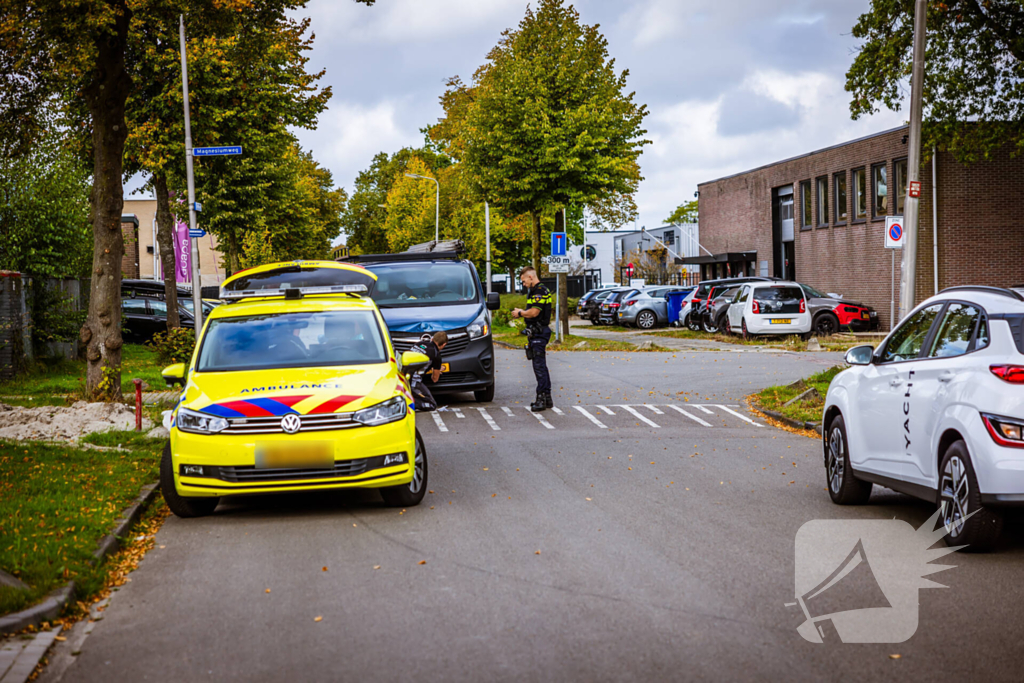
(894, 232)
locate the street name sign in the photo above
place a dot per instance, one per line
(894, 232)
(231, 150)
(198, 232)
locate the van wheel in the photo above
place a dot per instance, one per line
(843, 487)
(484, 395)
(958, 498)
(408, 495)
(181, 506)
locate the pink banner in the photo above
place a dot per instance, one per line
(182, 254)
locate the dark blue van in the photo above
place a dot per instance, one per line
(429, 292)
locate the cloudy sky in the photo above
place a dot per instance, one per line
(730, 84)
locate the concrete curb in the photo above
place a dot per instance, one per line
(53, 605)
(506, 345)
(788, 420)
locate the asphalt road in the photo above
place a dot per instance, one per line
(629, 542)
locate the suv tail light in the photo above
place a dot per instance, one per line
(1005, 431)
(613, 305)
(1014, 374)
(803, 306)
(756, 308)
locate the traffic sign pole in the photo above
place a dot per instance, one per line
(197, 289)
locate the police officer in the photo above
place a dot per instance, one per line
(537, 316)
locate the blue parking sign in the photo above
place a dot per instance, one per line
(558, 244)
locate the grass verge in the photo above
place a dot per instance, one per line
(56, 503)
(836, 342)
(62, 381)
(774, 398)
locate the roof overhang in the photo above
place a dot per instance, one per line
(726, 257)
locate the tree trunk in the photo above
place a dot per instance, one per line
(105, 96)
(165, 227)
(536, 241)
(234, 252)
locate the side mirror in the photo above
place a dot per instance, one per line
(493, 301)
(860, 355)
(174, 374)
(413, 362)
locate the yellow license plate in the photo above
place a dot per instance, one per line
(300, 455)
(865, 316)
(781, 321)
(445, 367)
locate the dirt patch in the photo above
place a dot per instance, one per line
(62, 423)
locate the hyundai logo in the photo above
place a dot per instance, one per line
(291, 423)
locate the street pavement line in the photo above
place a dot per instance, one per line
(441, 427)
(654, 409)
(606, 409)
(692, 417)
(508, 411)
(591, 417)
(638, 416)
(540, 418)
(458, 412)
(557, 410)
(700, 407)
(489, 419)
(742, 417)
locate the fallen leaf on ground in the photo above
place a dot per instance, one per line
(319, 619)
(325, 568)
(537, 553)
(376, 566)
(268, 590)
(422, 562)
(894, 656)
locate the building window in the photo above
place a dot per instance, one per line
(901, 185)
(806, 215)
(860, 195)
(842, 206)
(669, 238)
(880, 190)
(823, 202)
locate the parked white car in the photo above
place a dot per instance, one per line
(769, 308)
(937, 412)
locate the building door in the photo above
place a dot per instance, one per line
(783, 251)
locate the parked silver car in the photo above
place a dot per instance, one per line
(647, 308)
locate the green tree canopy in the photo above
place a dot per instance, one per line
(684, 213)
(974, 71)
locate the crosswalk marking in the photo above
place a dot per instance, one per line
(490, 420)
(733, 412)
(441, 427)
(591, 417)
(540, 418)
(692, 417)
(606, 409)
(640, 417)
(700, 407)
(508, 411)
(458, 413)
(557, 410)
(654, 409)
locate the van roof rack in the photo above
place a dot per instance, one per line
(432, 250)
(1001, 291)
(292, 292)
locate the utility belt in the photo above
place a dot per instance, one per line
(531, 332)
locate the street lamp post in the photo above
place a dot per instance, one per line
(437, 203)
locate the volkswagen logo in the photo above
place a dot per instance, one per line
(291, 423)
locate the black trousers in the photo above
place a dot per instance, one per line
(538, 344)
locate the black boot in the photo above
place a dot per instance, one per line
(539, 404)
(548, 403)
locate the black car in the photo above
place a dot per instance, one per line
(609, 313)
(592, 309)
(144, 308)
(720, 306)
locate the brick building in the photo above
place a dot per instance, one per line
(130, 259)
(820, 218)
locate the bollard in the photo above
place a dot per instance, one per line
(138, 404)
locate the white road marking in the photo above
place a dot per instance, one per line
(733, 412)
(591, 417)
(557, 410)
(700, 407)
(458, 412)
(489, 419)
(508, 411)
(540, 418)
(441, 427)
(606, 409)
(638, 416)
(692, 417)
(654, 409)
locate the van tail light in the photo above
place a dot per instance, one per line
(1014, 374)
(756, 308)
(1005, 431)
(803, 305)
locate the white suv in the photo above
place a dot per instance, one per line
(769, 308)
(937, 412)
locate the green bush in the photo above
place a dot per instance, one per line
(173, 346)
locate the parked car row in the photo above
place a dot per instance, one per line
(744, 305)
(145, 310)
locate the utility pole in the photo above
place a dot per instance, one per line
(487, 239)
(197, 287)
(908, 266)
